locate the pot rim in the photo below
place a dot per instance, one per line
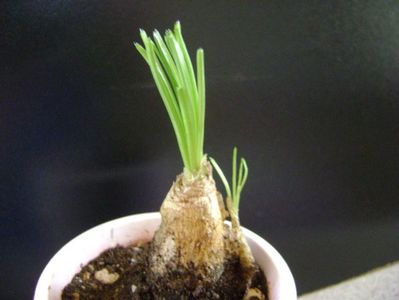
(284, 283)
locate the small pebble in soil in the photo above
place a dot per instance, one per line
(86, 276)
(254, 294)
(105, 277)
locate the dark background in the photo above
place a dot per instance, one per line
(308, 90)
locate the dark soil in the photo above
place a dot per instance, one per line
(121, 273)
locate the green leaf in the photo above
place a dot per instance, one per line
(184, 100)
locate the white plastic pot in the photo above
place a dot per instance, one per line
(124, 231)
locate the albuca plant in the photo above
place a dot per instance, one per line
(193, 239)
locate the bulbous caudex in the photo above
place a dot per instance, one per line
(191, 237)
(194, 240)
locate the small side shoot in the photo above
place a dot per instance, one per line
(238, 179)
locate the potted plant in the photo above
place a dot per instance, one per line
(191, 252)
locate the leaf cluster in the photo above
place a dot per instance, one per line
(182, 90)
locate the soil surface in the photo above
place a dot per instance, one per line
(121, 273)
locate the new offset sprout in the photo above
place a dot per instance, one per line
(237, 183)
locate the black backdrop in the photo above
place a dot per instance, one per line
(308, 90)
